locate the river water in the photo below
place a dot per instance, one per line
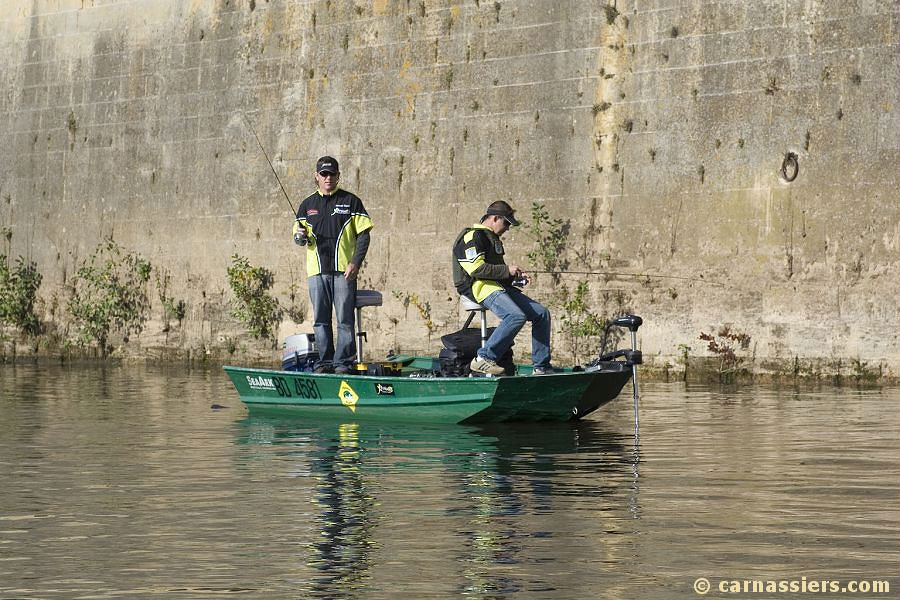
(124, 482)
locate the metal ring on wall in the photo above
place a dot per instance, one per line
(790, 168)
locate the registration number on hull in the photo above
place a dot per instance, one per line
(297, 386)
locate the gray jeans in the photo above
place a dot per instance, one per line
(327, 290)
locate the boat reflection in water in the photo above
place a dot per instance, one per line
(452, 509)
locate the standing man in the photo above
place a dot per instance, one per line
(334, 226)
(481, 274)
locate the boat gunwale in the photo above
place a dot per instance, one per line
(482, 380)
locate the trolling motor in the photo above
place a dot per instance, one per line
(633, 357)
(632, 322)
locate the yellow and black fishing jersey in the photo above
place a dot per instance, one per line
(332, 224)
(478, 266)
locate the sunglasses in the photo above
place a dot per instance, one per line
(325, 174)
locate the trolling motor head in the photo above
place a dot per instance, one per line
(632, 322)
(632, 356)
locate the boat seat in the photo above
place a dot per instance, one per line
(474, 307)
(363, 298)
(367, 298)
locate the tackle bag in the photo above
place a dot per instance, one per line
(460, 348)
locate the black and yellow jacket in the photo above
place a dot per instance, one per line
(478, 266)
(332, 222)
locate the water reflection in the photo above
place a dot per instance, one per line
(500, 490)
(346, 525)
(121, 482)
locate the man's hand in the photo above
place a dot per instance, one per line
(519, 276)
(350, 272)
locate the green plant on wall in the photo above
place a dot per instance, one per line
(109, 295)
(727, 345)
(550, 236)
(580, 325)
(172, 309)
(297, 309)
(259, 311)
(18, 292)
(424, 308)
(863, 373)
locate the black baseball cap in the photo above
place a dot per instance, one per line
(502, 209)
(327, 164)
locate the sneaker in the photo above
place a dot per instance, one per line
(486, 366)
(323, 369)
(548, 370)
(342, 370)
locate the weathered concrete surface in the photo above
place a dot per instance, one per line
(658, 128)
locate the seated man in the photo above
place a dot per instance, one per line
(481, 274)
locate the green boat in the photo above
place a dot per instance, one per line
(412, 397)
(411, 389)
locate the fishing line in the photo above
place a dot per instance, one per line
(277, 178)
(618, 274)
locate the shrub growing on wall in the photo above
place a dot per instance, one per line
(18, 291)
(727, 345)
(109, 295)
(259, 311)
(580, 325)
(550, 239)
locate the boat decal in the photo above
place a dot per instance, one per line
(260, 383)
(348, 397)
(306, 388)
(384, 389)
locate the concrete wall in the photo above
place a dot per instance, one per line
(656, 128)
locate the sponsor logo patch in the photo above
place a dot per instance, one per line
(471, 253)
(312, 212)
(384, 389)
(348, 397)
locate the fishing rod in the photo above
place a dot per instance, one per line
(619, 274)
(277, 178)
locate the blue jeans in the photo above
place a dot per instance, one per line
(327, 290)
(514, 308)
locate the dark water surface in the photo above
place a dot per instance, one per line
(123, 482)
